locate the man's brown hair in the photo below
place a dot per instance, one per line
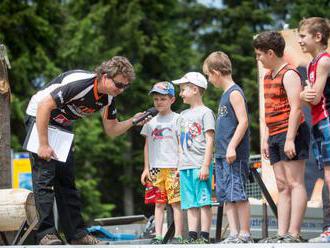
(115, 66)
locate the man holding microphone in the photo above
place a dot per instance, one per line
(72, 95)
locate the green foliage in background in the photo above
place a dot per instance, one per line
(163, 39)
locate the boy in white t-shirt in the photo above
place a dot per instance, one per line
(161, 152)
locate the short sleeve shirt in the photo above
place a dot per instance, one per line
(76, 96)
(163, 144)
(193, 125)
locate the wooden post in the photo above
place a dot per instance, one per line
(5, 165)
(264, 225)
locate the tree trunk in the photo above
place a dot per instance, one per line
(5, 165)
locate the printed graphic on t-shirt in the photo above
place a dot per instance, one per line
(189, 132)
(161, 133)
(61, 119)
(81, 110)
(222, 111)
(60, 96)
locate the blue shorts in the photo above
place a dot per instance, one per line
(231, 180)
(321, 142)
(194, 192)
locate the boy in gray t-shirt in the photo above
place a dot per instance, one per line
(161, 152)
(196, 140)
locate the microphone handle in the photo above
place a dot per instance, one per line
(141, 118)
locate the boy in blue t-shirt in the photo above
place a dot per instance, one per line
(231, 148)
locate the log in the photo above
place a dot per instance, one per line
(16, 206)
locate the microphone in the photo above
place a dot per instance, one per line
(149, 112)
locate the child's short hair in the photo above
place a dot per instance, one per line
(316, 25)
(270, 40)
(218, 61)
(200, 89)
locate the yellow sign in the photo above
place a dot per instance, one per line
(21, 173)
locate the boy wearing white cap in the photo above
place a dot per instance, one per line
(196, 140)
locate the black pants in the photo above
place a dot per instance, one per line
(51, 180)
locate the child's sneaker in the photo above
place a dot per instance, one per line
(201, 240)
(156, 241)
(176, 240)
(246, 239)
(189, 240)
(291, 239)
(232, 240)
(323, 238)
(273, 239)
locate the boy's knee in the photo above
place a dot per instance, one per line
(283, 187)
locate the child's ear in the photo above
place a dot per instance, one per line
(215, 72)
(173, 99)
(318, 36)
(195, 89)
(270, 52)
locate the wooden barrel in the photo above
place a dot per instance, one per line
(16, 205)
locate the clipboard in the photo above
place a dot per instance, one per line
(59, 139)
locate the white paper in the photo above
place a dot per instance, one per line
(60, 141)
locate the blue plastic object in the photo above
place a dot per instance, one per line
(103, 234)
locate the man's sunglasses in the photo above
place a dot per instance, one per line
(120, 85)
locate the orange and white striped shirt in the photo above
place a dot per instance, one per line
(277, 107)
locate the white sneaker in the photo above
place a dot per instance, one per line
(246, 239)
(232, 240)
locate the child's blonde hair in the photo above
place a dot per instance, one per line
(218, 61)
(316, 25)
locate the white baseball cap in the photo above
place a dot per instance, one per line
(195, 78)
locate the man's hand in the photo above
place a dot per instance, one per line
(141, 123)
(145, 177)
(289, 149)
(265, 149)
(204, 173)
(230, 155)
(46, 152)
